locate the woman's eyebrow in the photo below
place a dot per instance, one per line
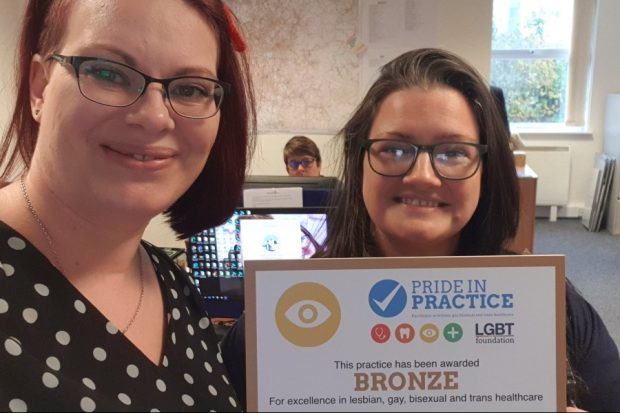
(123, 57)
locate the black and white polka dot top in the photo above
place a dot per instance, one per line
(59, 353)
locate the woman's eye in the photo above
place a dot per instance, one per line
(307, 313)
(105, 74)
(190, 91)
(396, 152)
(453, 154)
(392, 152)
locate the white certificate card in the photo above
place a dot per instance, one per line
(406, 334)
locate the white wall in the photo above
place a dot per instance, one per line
(10, 15)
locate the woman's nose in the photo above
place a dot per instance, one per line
(152, 110)
(423, 171)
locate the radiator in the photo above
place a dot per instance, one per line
(552, 165)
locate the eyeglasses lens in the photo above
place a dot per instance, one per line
(450, 160)
(304, 162)
(113, 84)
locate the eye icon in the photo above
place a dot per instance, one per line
(307, 313)
(429, 333)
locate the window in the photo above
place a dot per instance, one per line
(538, 60)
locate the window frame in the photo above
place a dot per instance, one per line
(579, 59)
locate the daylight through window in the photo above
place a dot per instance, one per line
(531, 52)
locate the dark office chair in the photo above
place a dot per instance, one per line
(498, 94)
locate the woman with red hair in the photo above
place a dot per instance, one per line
(125, 109)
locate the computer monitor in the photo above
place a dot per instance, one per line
(284, 181)
(316, 190)
(216, 255)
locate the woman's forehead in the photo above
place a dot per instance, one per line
(171, 33)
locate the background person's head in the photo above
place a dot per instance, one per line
(425, 72)
(52, 27)
(302, 157)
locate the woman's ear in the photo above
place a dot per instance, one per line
(38, 82)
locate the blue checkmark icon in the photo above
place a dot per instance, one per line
(387, 298)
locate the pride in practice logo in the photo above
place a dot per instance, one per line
(308, 314)
(387, 298)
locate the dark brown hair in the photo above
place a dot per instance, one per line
(213, 196)
(495, 219)
(301, 145)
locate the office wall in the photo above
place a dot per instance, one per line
(10, 13)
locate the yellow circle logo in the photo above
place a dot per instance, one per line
(308, 314)
(429, 333)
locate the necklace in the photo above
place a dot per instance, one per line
(50, 242)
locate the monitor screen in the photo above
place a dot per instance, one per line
(316, 189)
(216, 255)
(272, 181)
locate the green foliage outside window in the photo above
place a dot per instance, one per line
(534, 88)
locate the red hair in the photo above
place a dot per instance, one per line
(238, 42)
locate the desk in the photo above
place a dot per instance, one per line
(524, 240)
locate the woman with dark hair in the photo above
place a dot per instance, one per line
(124, 110)
(427, 171)
(302, 157)
(488, 227)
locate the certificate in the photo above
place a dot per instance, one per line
(406, 334)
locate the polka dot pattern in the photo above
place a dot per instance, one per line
(49, 380)
(188, 400)
(111, 328)
(89, 383)
(79, 306)
(78, 359)
(16, 243)
(87, 404)
(63, 338)
(100, 354)
(42, 290)
(133, 371)
(13, 346)
(125, 399)
(4, 306)
(30, 315)
(18, 405)
(8, 269)
(161, 385)
(53, 363)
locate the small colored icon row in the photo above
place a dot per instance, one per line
(406, 333)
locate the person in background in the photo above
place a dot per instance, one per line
(427, 171)
(124, 110)
(302, 157)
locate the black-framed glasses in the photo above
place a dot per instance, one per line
(306, 162)
(115, 84)
(450, 160)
